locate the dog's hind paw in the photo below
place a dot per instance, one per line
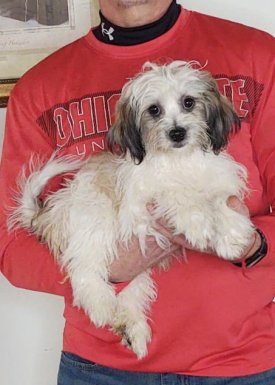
(99, 305)
(135, 337)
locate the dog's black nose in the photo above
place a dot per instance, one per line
(177, 134)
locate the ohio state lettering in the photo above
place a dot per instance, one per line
(80, 125)
(243, 92)
(79, 122)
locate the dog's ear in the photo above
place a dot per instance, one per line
(125, 133)
(222, 120)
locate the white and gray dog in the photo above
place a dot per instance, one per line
(172, 125)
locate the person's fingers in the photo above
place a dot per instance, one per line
(161, 226)
(236, 204)
(150, 207)
(159, 256)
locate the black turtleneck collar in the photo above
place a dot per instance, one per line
(110, 33)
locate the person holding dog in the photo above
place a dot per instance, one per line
(213, 321)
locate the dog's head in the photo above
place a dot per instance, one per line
(173, 107)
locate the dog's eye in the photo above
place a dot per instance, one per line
(188, 103)
(154, 110)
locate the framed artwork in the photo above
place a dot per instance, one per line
(32, 29)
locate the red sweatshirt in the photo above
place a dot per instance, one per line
(210, 317)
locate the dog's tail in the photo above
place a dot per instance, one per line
(31, 183)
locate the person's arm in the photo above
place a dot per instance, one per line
(263, 142)
(24, 261)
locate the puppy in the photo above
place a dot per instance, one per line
(172, 125)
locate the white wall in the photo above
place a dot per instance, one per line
(255, 13)
(31, 323)
(31, 327)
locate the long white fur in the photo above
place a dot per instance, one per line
(106, 201)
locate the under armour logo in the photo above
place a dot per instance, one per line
(107, 32)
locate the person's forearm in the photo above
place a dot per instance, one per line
(28, 264)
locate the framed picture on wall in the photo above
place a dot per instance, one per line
(32, 29)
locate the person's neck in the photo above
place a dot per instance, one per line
(134, 15)
(112, 34)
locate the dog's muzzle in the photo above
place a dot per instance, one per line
(178, 134)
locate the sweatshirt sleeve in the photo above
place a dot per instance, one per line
(24, 261)
(263, 142)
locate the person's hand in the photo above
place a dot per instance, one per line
(131, 262)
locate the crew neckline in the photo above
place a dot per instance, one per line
(139, 50)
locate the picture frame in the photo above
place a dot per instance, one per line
(6, 85)
(30, 30)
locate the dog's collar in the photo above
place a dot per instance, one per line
(110, 33)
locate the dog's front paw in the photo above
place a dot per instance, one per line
(197, 228)
(135, 335)
(230, 244)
